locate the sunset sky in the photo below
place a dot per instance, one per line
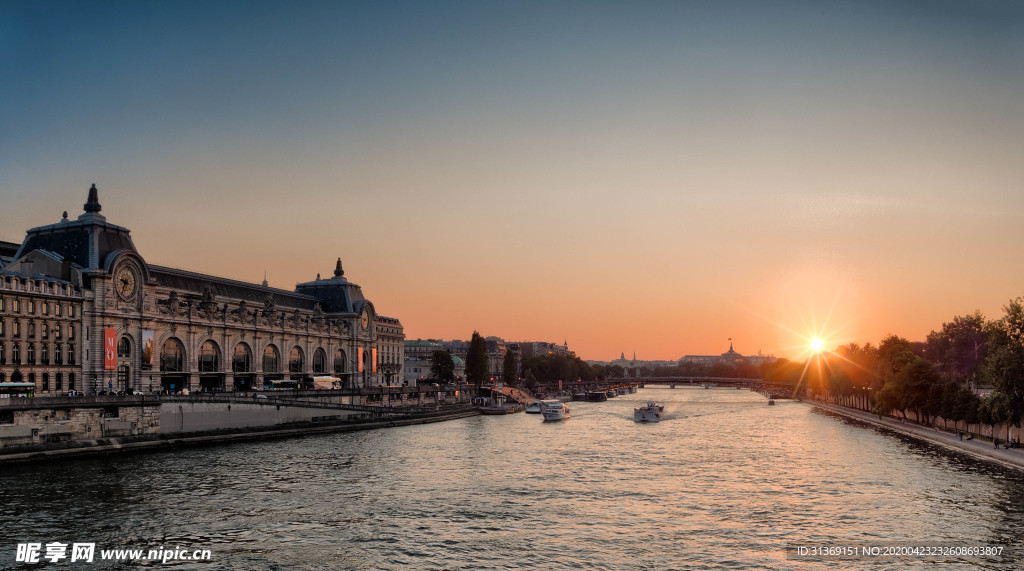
(655, 177)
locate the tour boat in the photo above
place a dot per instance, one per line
(649, 413)
(533, 407)
(554, 411)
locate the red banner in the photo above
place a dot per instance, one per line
(109, 349)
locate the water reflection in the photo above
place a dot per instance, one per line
(724, 481)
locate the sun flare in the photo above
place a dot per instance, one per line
(817, 345)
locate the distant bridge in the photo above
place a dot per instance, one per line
(772, 390)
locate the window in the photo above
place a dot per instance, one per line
(209, 358)
(17, 328)
(319, 361)
(241, 361)
(60, 382)
(46, 308)
(17, 306)
(32, 306)
(58, 354)
(3, 328)
(31, 329)
(16, 354)
(71, 354)
(3, 355)
(271, 360)
(58, 330)
(172, 356)
(124, 348)
(46, 381)
(3, 304)
(339, 362)
(32, 378)
(71, 381)
(71, 311)
(31, 353)
(295, 360)
(44, 354)
(71, 331)
(56, 309)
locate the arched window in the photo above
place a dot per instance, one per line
(209, 357)
(339, 362)
(44, 354)
(319, 361)
(31, 329)
(124, 348)
(172, 356)
(295, 360)
(31, 353)
(271, 360)
(58, 354)
(46, 381)
(241, 361)
(16, 354)
(3, 355)
(32, 378)
(60, 381)
(71, 381)
(71, 354)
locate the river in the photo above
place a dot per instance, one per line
(723, 481)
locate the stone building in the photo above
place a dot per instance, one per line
(135, 326)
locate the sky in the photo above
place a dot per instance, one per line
(657, 177)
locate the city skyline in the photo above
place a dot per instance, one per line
(657, 177)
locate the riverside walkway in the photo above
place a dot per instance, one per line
(1009, 457)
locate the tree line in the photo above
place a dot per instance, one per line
(935, 378)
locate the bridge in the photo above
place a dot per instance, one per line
(770, 390)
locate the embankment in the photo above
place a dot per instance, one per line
(981, 449)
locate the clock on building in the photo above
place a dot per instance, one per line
(364, 319)
(126, 283)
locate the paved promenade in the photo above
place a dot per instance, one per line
(1012, 458)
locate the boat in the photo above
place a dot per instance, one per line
(649, 413)
(610, 394)
(771, 401)
(597, 396)
(554, 411)
(579, 396)
(534, 407)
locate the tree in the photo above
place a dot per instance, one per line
(509, 374)
(477, 370)
(1003, 367)
(442, 366)
(960, 346)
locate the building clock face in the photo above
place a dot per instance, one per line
(364, 319)
(125, 283)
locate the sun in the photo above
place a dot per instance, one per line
(817, 345)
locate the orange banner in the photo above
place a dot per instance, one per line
(109, 349)
(360, 360)
(373, 360)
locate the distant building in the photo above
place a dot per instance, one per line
(730, 357)
(82, 309)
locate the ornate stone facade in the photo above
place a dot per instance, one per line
(175, 330)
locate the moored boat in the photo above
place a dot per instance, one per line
(651, 412)
(534, 407)
(597, 396)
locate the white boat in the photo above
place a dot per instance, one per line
(534, 407)
(555, 411)
(649, 413)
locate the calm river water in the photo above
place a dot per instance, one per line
(724, 481)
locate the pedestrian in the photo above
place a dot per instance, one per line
(995, 442)
(960, 434)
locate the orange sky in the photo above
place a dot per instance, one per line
(643, 178)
